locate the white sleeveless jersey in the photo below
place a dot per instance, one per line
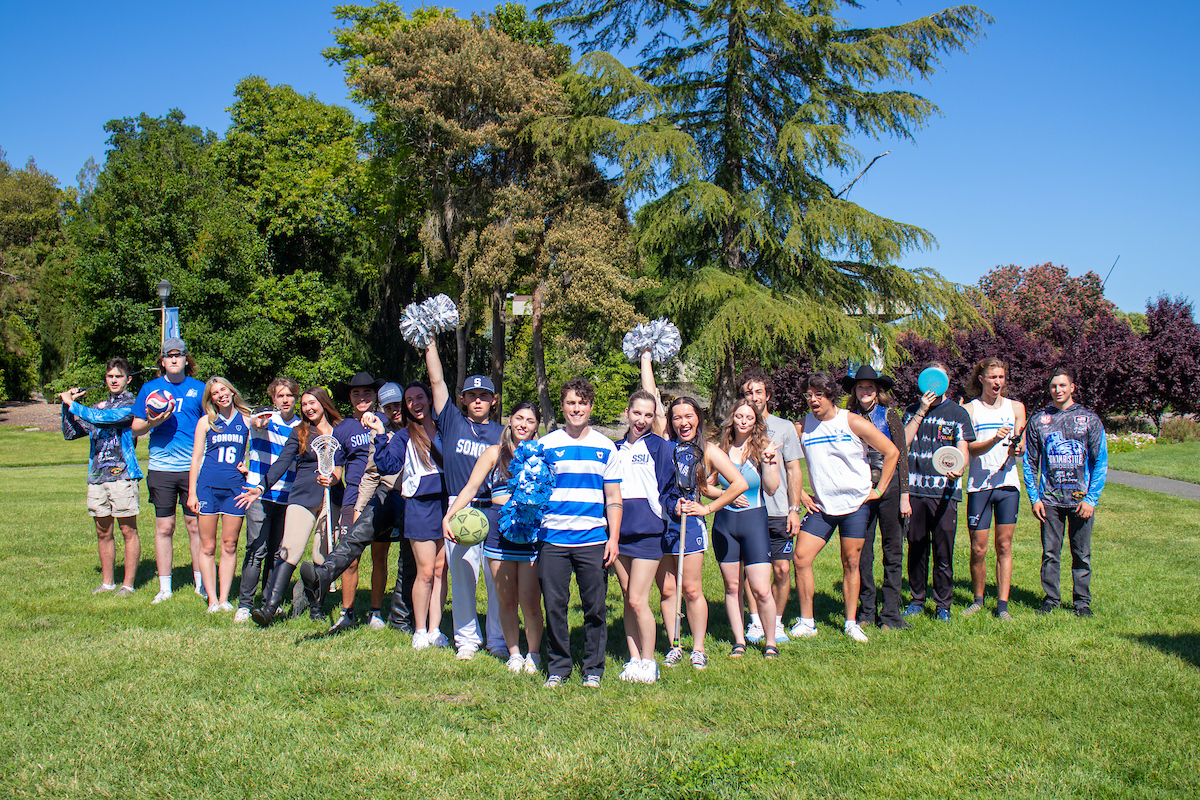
(994, 468)
(836, 462)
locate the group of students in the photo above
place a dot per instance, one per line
(407, 459)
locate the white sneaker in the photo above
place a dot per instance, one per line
(631, 671)
(781, 636)
(421, 640)
(649, 670)
(375, 622)
(515, 663)
(855, 631)
(466, 652)
(755, 633)
(802, 631)
(200, 590)
(242, 615)
(163, 594)
(225, 606)
(533, 663)
(214, 608)
(439, 640)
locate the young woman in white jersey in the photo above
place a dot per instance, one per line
(741, 540)
(647, 489)
(993, 485)
(214, 483)
(513, 564)
(835, 445)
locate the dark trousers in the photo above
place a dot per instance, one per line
(379, 517)
(932, 527)
(1079, 531)
(555, 565)
(264, 534)
(886, 512)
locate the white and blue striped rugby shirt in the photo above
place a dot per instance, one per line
(265, 447)
(575, 512)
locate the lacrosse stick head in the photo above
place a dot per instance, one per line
(688, 458)
(324, 447)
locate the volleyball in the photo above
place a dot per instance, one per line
(159, 401)
(469, 526)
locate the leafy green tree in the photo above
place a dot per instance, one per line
(759, 252)
(163, 207)
(36, 264)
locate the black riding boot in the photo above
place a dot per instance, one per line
(280, 578)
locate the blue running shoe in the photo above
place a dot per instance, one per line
(943, 615)
(913, 610)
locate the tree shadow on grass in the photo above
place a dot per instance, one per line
(1183, 645)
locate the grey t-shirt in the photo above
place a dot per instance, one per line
(783, 434)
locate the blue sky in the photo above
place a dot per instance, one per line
(1067, 133)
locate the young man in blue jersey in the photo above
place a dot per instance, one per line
(465, 434)
(1065, 466)
(586, 497)
(172, 436)
(264, 515)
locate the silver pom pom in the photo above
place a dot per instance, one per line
(443, 313)
(420, 323)
(660, 337)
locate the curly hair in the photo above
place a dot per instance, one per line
(758, 440)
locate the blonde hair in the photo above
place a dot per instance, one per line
(210, 407)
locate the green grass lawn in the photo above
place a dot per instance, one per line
(21, 448)
(115, 697)
(1178, 461)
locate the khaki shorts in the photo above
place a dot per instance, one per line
(113, 499)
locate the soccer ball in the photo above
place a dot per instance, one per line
(159, 401)
(469, 526)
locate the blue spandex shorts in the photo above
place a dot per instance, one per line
(1005, 500)
(849, 526)
(742, 536)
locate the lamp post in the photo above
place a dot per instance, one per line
(164, 291)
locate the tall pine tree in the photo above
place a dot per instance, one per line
(762, 253)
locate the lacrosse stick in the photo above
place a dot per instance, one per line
(324, 447)
(687, 458)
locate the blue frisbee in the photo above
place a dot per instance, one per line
(933, 380)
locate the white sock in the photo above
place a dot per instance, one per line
(778, 620)
(126, 586)
(754, 620)
(422, 632)
(164, 583)
(199, 581)
(808, 622)
(108, 585)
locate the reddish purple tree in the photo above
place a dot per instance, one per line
(1173, 346)
(1112, 365)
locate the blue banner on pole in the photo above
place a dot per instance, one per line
(170, 323)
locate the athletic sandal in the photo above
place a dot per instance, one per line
(738, 650)
(770, 651)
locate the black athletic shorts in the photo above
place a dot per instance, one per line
(168, 489)
(741, 536)
(782, 544)
(1004, 499)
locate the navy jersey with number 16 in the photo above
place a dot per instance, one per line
(224, 448)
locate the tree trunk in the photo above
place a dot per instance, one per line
(460, 335)
(498, 338)
(539, 360)
(724, 392)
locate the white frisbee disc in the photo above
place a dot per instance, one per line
(947, 459)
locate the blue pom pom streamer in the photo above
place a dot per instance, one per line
(530, 487)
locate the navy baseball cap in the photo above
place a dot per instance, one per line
(479, 382)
